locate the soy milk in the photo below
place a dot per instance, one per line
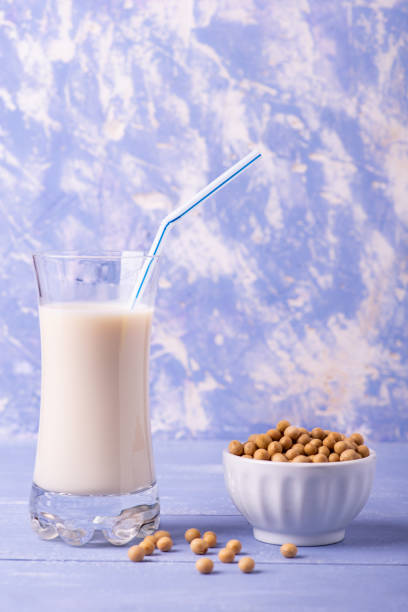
(94, 434)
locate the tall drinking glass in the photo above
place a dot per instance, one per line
(94, 468)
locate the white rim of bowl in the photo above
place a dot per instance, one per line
(371, 456)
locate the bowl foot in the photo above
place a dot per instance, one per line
(318, 539)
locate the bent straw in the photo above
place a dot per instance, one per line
(179, 212)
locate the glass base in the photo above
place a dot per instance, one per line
(77, 519)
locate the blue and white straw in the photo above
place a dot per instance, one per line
(179, 212)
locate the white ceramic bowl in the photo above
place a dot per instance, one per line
(309, 504)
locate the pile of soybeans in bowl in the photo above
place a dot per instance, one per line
(287, 443)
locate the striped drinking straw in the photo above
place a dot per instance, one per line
(179, 212)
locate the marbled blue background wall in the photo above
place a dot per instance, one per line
(286, 295)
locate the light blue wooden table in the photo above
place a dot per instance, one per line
(367, 571)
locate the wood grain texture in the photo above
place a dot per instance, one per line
(369, 567)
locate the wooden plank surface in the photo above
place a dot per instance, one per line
(178, 587)
(370, 565)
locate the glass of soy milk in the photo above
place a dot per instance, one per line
(94, 470)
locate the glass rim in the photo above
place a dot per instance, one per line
(96, 255)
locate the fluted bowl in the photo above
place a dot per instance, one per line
(309, 504)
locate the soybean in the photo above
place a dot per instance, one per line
(319, 458)
(148, 547)
(211, 539)
(161, 534)
(357, 438)
(192, 534)
(274, 447)
(289, 550)
(304, 438)
(136, 553)
(363, 450)
(205, 565)
(317, 433)
(262, 441)
(274, 434)
(292, 432)
(349, 455)
(310, 449)
(235, 447)
(235, 546)
(261, 454)
(249, 448)
(292, 453)
(246, 565)
(199, 546)
(164, 544)
(301, 459)
(282, 425)
(279, 457)
(226, 555)
(285, 442)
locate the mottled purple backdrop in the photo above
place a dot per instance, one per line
(285, 295)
